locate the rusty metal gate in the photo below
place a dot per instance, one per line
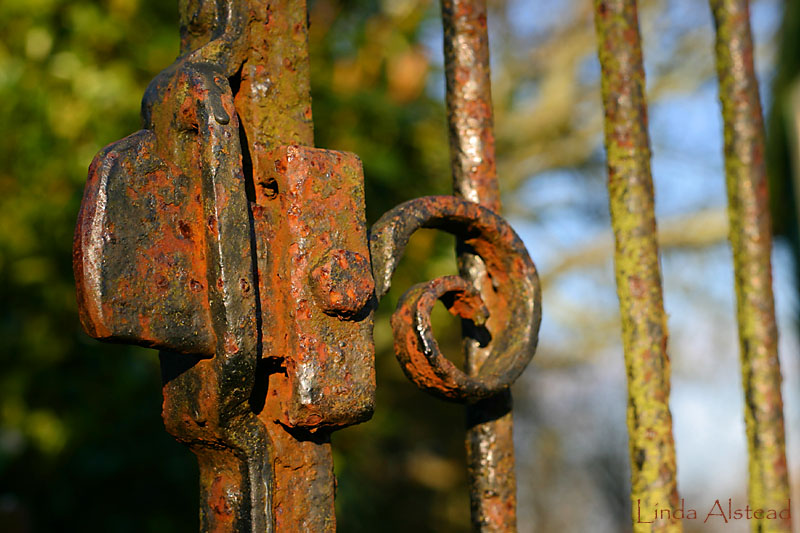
(221, 236)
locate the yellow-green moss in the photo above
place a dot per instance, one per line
(644, 327)
(751, 242)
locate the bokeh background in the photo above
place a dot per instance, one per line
(82, 446)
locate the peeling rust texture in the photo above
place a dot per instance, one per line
(751, 241)
(514, 278)
(241, 253)
(139, 254)
(133, 288)
(490, 446)
(317, 295)
(163, 259)
(644, 326)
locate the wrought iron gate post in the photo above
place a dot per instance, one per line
(220, 236)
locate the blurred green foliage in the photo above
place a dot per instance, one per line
(82, 447)
(79, 420)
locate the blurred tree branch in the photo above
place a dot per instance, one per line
(695, 230)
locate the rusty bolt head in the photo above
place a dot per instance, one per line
(342, 283)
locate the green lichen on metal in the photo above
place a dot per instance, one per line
(751, 242)
(654, 493)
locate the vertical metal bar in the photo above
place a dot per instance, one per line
(751, 241)
(469, 102)
(644, 325)
(274, 103)
(490, 446)
(274, 98)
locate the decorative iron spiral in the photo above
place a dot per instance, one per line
(514, 280)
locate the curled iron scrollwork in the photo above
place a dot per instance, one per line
(514, 280)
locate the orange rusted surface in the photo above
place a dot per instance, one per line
(469, 102)
(316, 294)
(514, 278)
(171, 252)
(274, 102)
(321, 284)
(140, 266)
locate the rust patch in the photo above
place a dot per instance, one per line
(324, 282)
(516, 284)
